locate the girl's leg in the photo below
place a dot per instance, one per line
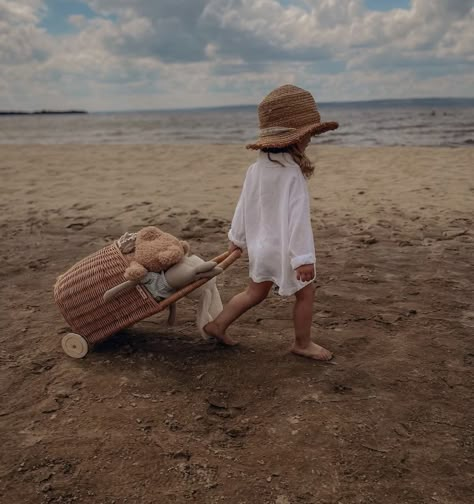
(303, 318)
(239, 304)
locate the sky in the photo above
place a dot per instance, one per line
(151, 54)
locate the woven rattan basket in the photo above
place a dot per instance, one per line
(79, 295)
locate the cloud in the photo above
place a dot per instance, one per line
(77, 20)
(165, 30)
(261, 32)
(21, 41)
(142, 53)
(433, 38)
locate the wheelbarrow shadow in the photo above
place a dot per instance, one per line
(154, 340)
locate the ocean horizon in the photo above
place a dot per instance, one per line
(412, 121)
(431, 101)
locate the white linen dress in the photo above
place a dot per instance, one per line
(272, 221)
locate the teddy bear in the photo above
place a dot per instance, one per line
(150, 250)
(162, 264)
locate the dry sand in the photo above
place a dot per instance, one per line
(157, 415)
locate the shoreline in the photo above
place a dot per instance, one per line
(468, 145)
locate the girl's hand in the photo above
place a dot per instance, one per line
(233, 246)
(305, 273)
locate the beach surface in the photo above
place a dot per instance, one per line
(157, 414)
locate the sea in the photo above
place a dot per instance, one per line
(414, 122)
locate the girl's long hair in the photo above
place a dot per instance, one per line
(299, 157)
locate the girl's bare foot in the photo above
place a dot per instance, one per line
(313, 351)
(212, 329)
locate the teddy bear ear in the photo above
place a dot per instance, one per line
(150, 233)
(135, 272)
(186, 247)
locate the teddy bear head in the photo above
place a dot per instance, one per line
(155, 251)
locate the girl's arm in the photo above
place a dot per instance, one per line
(301, 241)
(237, 229)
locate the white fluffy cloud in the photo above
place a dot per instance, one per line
(137, 53)
(21, 41)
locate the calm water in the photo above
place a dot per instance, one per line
(434, 122)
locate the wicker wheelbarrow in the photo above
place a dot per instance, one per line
(79, 294)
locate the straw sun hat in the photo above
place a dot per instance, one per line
(286, 115)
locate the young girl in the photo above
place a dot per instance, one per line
(272, 218)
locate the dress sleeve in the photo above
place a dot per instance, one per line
(237, 229)
(301, 241)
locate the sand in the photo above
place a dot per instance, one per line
(156, 414)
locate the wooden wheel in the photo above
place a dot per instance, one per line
(75, 345)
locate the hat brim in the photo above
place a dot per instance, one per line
(284, 140)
